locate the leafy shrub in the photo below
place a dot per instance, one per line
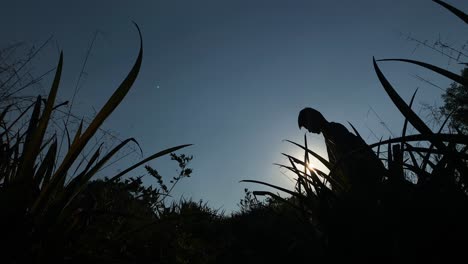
(37, 205)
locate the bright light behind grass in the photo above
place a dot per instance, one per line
(310, 166)
(289, 178)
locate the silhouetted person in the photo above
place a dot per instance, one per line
(354, 222)
(358, 166)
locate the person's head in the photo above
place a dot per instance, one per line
(312, 120)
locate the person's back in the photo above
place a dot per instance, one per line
(354, 164)
(354, 221)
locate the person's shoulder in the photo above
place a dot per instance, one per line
(337, 127)
(340, 132)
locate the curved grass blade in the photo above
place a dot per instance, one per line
(154, 156)
(403, 133)
(16, 158)
(4, 112)
(102, 115)
(93, 159)
(60, 105)
(306, 162)
(47, 142)
(356, 132)
(78, 182)
(306, 176)
(455, 77)
(422, 174)
(322, 174)
(378, 148)
(405, 124)
(33, 146)
(17, 119)
(45, 169)
(302, 180)
(413, 158)
(431, 147)
(77, 134)
(59, 176)
(293, 170)
(460, 14)
(389, 156)
(300, 196)
(109, 155)
(67, 133)
(26, 160)
(405, 110)
(436, 151)
(322, 160)
(426, 160)
(456, 138)
(299, 178)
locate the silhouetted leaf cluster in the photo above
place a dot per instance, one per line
(456, 104)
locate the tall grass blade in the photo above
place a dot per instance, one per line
(58, 179)
(405, 124)
(302, 179)
(67, 133)
(47, 143)
(26, 160)
(45, 169)
(306, 161)
(455, 77)
(33, 146)
(154, 156)
(317, 156)
(431, 149)
(77, 134)
(75, 185)
(93, 159)
(417, 122)
(456, 138)
(109, 155)
(17, 119)
(405, 109)
(321, 173)
(389, 155)
(454, 10)
(102, 115)
(378, 148)
(356, 132)
(4, 112)
(460, 154)
(408, 148)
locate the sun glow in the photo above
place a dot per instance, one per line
(310, 166)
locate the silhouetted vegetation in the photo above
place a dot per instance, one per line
(398, 200)
(411, 206)
(456, 104)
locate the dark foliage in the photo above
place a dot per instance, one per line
(412, 208)
(456, 104)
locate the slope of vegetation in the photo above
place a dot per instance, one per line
(415, 208)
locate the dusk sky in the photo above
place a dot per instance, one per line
(230, 77)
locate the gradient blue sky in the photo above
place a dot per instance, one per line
(233, 75)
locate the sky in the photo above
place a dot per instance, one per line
(230, 77)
